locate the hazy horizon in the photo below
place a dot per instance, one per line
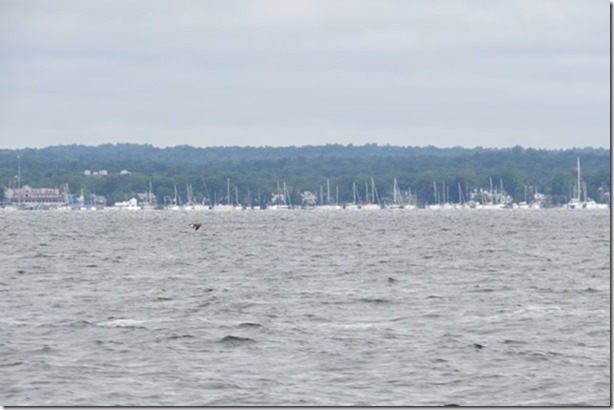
(608, 148)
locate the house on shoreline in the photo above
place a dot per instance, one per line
(34, 196)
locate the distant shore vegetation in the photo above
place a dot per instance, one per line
(334, 172)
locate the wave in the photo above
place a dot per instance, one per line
(186, 336)
(127, 323)
(236, 340)
(375, 300)
(250, 324)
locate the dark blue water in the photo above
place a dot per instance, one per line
(390, 308)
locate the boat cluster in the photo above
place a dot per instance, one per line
(134, 205)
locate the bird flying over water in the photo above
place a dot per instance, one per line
(195, 226)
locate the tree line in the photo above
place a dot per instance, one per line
(256, 172)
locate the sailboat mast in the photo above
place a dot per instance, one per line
(372, 191)
(19, 172)
(579, 183)
(19, 178)
(394, 191)
(492, 195)
(228, 191)
(286, 195)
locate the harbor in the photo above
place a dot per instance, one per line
(364, 192)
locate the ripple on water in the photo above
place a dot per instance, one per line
(315, 308)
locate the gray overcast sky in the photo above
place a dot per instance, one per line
(489, 73)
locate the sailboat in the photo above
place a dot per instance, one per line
(354, 204)
(149, 203)
(174, 206)
(397, 202)
(328, 205)
(228, 205)
(576, 202)
(281, 200)
(371, 202)
(437, 203)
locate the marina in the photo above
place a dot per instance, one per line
(331, 197)
(491, 198)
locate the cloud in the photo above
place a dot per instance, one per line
(277, 72)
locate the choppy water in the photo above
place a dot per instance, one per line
(390, 308)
